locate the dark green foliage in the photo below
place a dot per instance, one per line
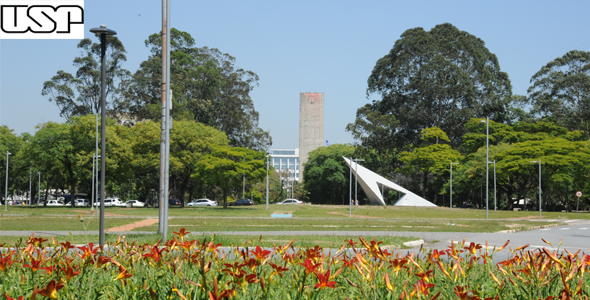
(560, 91)
(327, 175)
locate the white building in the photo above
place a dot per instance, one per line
(286, 159)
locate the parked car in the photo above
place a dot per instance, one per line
(202, 202)
(291, 201)
(80, 202)
(241, 202)
(173, 202)
(55, 203)
(110, 202)
(135, 203)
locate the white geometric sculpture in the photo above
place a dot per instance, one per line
(369, 181)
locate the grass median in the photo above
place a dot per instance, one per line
(304, 211)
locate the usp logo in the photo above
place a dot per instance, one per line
(54, 19)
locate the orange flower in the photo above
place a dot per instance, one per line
(155, 253)
(123, 274)
(278, 269)
(387, 283)
(69, 272)
(309, 266)
(35, 264)
(424, 276)
(260, 254)
(5, 262)
(323, 281)
(397, 264)
(182, 233)
(10, 298)
(473, 248)
(423, 287)
(50, 291)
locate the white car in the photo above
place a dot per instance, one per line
(202, 202)
(135, 203)
(80, 202)
(291, 201)
(110, 202)
(55, 203)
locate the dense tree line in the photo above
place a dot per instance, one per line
(432, 94)
(202, 162)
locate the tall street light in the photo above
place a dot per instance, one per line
(356, 160)
(487, 121)
(494, 162)
(267, 158)
(103, 31)
(350, 191)
(92, 196)
(539, 161)
(39, 191)
(6, 188)
(30, 184)
(452, 163)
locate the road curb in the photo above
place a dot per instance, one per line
(414, 243)
(529, 229)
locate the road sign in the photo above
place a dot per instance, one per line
(578, 194)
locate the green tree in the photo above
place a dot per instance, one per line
(433, 159)
(327, 174)
(225, 166)
(560, 91)
(207, 88)
(80, 94)
(442, 77)
(18, 165)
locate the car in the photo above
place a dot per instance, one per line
(110, 202)
(291, 201)
(55, 203)
(135, 203)
(80, 202)
(173, 202)
(202, 202)
(241, 202)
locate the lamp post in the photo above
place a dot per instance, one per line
(39, 191)
(487, 121)
(92, 196)
(103, 31)
(494, 162)
(350, 191)
(267, 157)
(451, 192)
(356, 203)
(30, 184)
(6, 187)
(539, 161)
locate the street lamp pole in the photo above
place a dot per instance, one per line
(6, 187)
(451, 192)
(350, 191)
(267, 157)
(103, 31)
(495, 203)
(356, 160)
(487, 165)
(92, 195)
(30, 184)
(39, 190)
(539, 161)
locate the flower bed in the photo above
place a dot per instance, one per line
(194, 269)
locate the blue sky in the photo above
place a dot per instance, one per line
(298, 46)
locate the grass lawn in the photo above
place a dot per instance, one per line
(305, 211)
(48, 223)
(309, 224)
(225, 240)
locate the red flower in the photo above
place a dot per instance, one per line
(182, 233)
(260, 254)
(50, 291)
(323, 281)
(309, 266)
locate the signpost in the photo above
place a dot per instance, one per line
(578, 194)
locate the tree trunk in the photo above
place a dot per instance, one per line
(225, 191)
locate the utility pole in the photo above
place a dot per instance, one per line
(356, 167)
(30, 184)
(350, 191)
(164, 135)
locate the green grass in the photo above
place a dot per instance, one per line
(301, 224)
(225, 240)
(48, 223)
(307, 211)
